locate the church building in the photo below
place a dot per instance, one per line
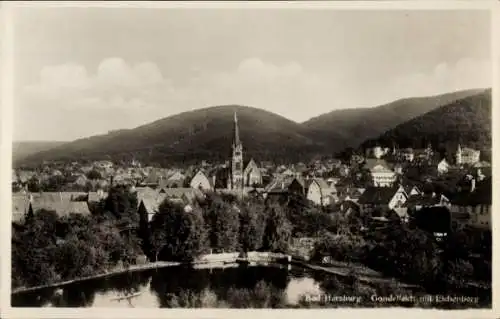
(235, 180)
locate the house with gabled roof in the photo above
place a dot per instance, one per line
(252, 175)
(62, 203)
(319, 192)
(284, 186)
(383, 199)
(149, 199)
(201, 181)
(411, 189)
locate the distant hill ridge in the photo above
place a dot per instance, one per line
(206, 134)
(195, 135)
(351, 127)
(23, 149)
(466, 121)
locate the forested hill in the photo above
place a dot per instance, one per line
(204, 134)
(466, 121)
(345, 128)
(23, 149)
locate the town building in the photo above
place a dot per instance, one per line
(149, 200)
(201, 181)
(467, 156)
(282, 187)
(383, 199)
(420, 201)
(382, 175)
(62, 203)
(443, 167)
(473, 209)
(252, 174)
(320, 193)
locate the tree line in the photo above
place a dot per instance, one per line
(48, 248)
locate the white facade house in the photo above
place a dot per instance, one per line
(382, 176)
(443, 166)
(320, 192)
(467, 155)
(200, 181)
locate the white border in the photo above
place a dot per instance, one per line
(6, 103)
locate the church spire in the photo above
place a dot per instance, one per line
(236, 137)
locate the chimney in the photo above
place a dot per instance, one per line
(472, 185)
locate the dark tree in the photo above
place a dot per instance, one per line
(177, 234)
(278, 231)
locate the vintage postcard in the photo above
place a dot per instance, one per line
(291, 156)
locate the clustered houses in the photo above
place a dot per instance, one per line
(375, 185)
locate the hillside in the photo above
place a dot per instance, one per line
(350, 127)
(466, 121)
(206, 134)
(193, 136)
(23, 149)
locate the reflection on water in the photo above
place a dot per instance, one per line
(241, 286)
(237, 287)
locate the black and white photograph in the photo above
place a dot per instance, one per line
(243, 157)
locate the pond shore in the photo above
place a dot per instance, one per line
(364, 274)
(209, 260)
(153, 265)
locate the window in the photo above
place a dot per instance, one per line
(237, 166)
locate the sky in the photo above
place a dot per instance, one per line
(86, 71)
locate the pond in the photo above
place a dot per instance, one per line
(233, 286)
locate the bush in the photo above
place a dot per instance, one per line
(344, 247)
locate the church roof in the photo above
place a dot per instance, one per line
(236, 137)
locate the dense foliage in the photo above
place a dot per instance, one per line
(466, 121)
(190, 137)
(177, 234)
(346, 128)
(48, 248)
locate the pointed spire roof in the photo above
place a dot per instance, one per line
(236, 137)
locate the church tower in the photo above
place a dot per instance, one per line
(458, 155)
(237, 158)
